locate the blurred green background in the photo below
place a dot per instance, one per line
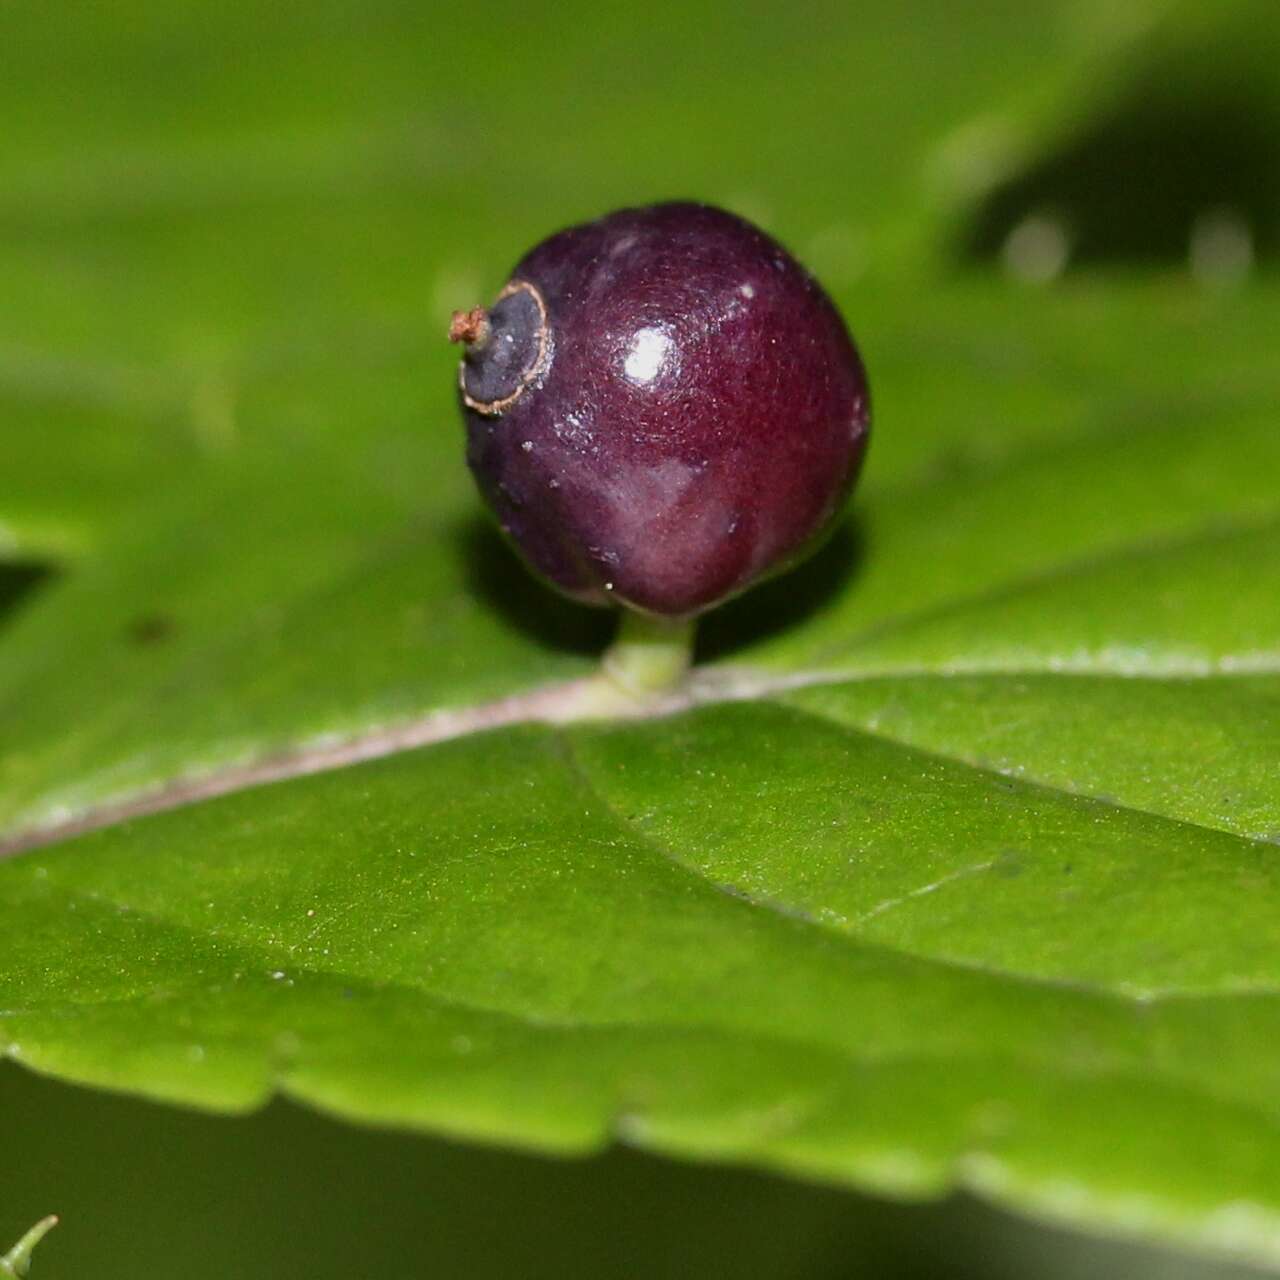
(230, 236)
(148, 1191)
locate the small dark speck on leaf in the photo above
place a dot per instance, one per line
(151, 628)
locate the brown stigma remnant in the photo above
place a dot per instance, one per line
(469, 326)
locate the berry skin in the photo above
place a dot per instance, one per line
(662, 407)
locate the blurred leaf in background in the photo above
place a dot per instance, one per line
(979, 890)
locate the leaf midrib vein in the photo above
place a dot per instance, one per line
(541, 704)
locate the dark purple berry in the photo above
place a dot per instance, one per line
(662, 407)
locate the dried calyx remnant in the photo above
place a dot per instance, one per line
(506, 347)
(662, 408)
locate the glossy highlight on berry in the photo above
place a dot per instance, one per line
(662, 407)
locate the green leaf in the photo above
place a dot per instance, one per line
(957, 865)
(551, 945)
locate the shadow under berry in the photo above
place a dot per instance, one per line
(501, 582)
(498, 578)
(787, 600)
